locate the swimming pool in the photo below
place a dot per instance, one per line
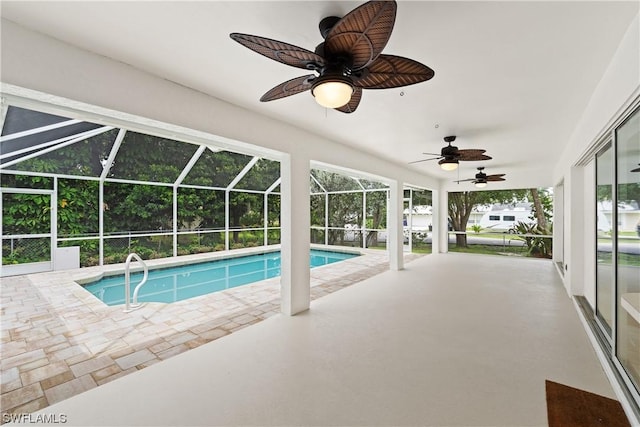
(188, 281)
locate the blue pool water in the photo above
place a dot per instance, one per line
(188, 281)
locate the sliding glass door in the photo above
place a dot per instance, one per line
(605, 278)
(628, 247)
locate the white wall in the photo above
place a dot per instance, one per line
(617, 90)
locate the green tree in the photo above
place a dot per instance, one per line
(542, 207)
(462, 203)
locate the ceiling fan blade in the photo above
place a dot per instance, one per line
(288, 88)
(471, 151)
(472, 155)
(465, 180)
(362, 33)
(475, 158)
(498, 177)
(353, 103)
(636, 169)
(433, 154)
(424, 160)
(390, 71)
(280, 51)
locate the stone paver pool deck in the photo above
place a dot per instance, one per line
(58, 340)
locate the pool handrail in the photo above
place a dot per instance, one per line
(130, 306)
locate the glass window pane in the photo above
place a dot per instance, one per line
(83, 158)
(151, 158)
(628, 248)
(261, 176)
(216, 168)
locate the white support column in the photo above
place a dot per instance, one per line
(295, 279)
(443, 223)
(395, 236)
(435, 221)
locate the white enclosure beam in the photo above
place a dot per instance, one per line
(106, 167)
(190, 164)
(243, 172)
(395, 236)
(77, 138)
(38, 130)
(295, 280)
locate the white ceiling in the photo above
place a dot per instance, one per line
(510, 77)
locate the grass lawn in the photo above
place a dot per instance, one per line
(490, 249)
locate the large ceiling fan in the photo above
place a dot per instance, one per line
(450, 155)
(481, 179)
(350, 58)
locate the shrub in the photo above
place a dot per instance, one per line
(541, 247)
(476, 228)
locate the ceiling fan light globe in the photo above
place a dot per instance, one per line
(481, 184)
(332, 93)
(449, 165)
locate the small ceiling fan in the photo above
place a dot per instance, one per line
(482, 178)
(451, 155)
(636, 169)
(350, 58)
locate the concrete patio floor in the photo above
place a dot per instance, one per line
(452, 340)
(58, 340)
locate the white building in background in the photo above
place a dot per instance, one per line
(628, 216)
(503, 217)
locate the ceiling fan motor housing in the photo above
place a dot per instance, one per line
(327, 24)
(449, 151)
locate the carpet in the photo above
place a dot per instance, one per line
(571, 407)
